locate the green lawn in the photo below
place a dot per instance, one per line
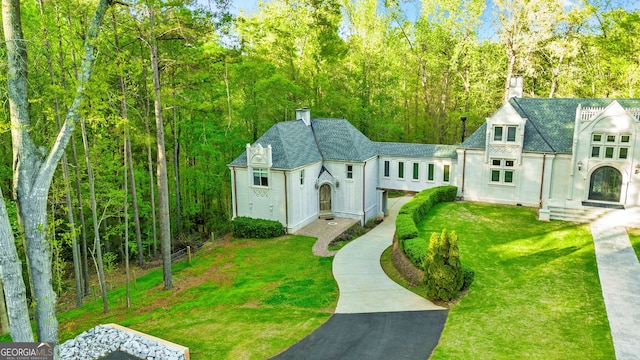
(243, 300)
(536, 293)
(634, 236)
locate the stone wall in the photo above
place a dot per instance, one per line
(105, 339)
(404, 265)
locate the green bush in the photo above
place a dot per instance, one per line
(246, 227)
(417, 208)
(405, 228)
(467, 275)
(443, 272)
(416, 250)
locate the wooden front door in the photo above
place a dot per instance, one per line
(325, 198)
(606, 184)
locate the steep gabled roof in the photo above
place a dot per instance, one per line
(550, 122)
(292, 144)
(416, 150)
(339, 140)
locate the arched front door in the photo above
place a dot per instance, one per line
(606, 183)
(325, 199)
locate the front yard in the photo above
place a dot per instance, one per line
(536, 293)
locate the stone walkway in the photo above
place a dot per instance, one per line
(619, 272)
(325, 231)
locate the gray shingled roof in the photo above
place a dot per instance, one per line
(550, 122)
(292, 144)
(416, 150)
(339, 140)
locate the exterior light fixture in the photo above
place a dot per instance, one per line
(579, 165)
(637, 168)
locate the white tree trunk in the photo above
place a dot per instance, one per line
(15, 293)
(163, 186)
(33, 172)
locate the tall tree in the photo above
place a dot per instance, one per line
(33, 169)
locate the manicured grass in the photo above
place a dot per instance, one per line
(634, 236)
(247, 299)
(536, 293)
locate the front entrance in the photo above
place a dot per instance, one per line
(325, 199)
(606, 184)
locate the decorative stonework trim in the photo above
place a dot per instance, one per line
(261, 193)
(504, 150)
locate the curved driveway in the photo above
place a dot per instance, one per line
(375, 317)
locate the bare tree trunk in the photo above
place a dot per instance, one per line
(126, 213)
(15, 293)
(4, 318)
(97, 247)
(74, 153)
(150, 161)
(34, 170)
(163, 187)
(65, 171)
(176, 163)
(125, 116)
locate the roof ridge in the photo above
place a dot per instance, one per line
(285, 151)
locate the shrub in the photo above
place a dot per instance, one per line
(417, 208)
(373, 222)
(405, 228)
(416, 250)
(246, 227)
(443, 271)
(467, 275)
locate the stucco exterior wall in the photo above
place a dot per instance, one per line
(407, 182)
(303, 198)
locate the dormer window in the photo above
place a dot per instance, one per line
(260, 177)
(499, 133)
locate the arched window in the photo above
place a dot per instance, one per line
(606, 183)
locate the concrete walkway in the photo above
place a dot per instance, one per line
(376, 319)
(619, 272)
(364, 287)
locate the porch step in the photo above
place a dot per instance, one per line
(582, 214)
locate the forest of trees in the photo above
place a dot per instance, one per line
(195, 82)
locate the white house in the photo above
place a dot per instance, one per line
(555, 154)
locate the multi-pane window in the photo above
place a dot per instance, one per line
(416, 171)
(446, 172)
(502, 171)
(386, 168)
(349, 171)
(260, 177)
(511, 133)
(302, 177)
(430, 172)
(498, 133)
(401, 170)
(610, 146)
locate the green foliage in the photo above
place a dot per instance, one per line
(443, 272)
(468, 275)
(417, 208)
(416, 250)
(250, 228)
(109, 261)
